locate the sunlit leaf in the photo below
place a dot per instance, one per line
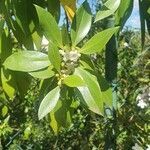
(49, 102)
(91, 93)
(27, 61)
(73, 81)
(43, 73)
(148, 11)
(8, 82)
(98, 41)
(49, 26)
(108, 9)
(81, 23)
(123, 12)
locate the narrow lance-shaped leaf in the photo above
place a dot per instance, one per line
(86, 98)
(123, 12)
(91, 92)
(54, 8)
(1, 25)
(54, 56)
(65, 35)
(142, 21)
(148, 11)
(146, 6)
(49, 26)
(49, 102)
(108, 9)
(81, 23)
(27, 61)
(5, 45)
(98, 41)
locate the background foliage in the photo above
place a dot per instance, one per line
(19, 124)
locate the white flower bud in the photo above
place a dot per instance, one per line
(141, 104)
(62, 52)
(126, 45)
(137, 147)
(74, 55)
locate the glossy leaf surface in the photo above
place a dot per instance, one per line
(49, 26)
(108, 9)
(98, 41)
(27, 61)
(43, 73)
(81, 24)
(49, 102)
(73, 81)
(91, 93)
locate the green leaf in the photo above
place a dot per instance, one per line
(54, 8)
(23, 82)
(24, 20)
(8, 83)
(49, 26)
(2, 21)
(142, 22)
(73, 81)
(49, 102)
(60, 116)
(5, 45)
(81, 24)
(65, 35)
(106, 91)
(54, 56)
(108, 9)
(123, 13)
(86, 62)
(36, 37)
(85, 96)
(4, 111)
(98, 41)
(91, 93)
(27, 61)
(148, 11)
(43, 73)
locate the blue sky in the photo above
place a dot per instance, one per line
(133, 21)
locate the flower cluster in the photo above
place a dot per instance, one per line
(69, 61)
(143, 98)
(137, 147)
